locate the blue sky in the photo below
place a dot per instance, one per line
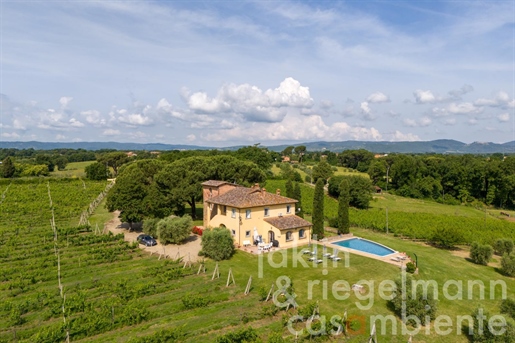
(221, 73)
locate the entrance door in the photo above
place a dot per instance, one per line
(271, 236)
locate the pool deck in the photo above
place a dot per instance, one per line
(396, 258)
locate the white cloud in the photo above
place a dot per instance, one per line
(458, 93)
(111, 132)
(463, 108)
(504, 117)
(501, 99)
(378, 97)
(93, 117)
(425, 121)
(10, 135)
(75, 123)
(326, 104)
(191, 138)
(424, 97)
(65, 100)
(60, 137)
(399, 136)
(366, 111)
(135, 119)
(251, 103)
(17, 124)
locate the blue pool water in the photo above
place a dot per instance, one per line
(365, 246)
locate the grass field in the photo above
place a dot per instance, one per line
(73, 169)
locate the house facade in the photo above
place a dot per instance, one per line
(253, 214)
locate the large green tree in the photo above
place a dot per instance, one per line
(343, 208)
(289, 188)
(260, 156)
(114, 160)
(297, 195)
(134, 193)
(181, 181)
(8, 168)
(360, 189)
(97, 171)
(322, 171)
(318, 210)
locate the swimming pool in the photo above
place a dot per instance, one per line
(365, 246)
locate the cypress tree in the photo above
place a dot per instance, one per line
(297, 195)
(289, 189)
(8, 169)
(318, 209)
(343, 208)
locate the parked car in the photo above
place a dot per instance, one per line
(147, 240)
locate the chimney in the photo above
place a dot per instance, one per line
(263, 191)
(256, 185)
(278, 191)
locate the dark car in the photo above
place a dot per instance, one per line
(147, 240)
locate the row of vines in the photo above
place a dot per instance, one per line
(108, 284)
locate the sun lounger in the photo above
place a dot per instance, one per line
(327, 254)
(315, 259)
(336, 258)
(396, 259)
(306, 251)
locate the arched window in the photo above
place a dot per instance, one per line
(289, 236)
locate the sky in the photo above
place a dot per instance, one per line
(225, 73)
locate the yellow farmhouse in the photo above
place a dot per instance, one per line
(253, 214)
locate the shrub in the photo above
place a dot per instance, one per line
(508, 264)
(194, 301)
(446, 237)
(502, 246)
(508, 307)
(150, 226)
(418, 303)
(174, 229)
(410, 267)
(481, 254)
(248, 335)
(217, 244)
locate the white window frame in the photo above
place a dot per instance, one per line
(267, 212)
(303, 231)
(233, 213)
(233, 232)
(247, 233)
(289, 236)
(288, 208)
(248, 214)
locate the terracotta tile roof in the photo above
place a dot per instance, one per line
(287, 222)
(214, 183)
(242, 197)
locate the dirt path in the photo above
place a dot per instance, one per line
(190, 248)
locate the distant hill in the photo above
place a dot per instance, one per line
(441, 146)
(98, 146)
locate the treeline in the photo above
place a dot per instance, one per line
(450, 179)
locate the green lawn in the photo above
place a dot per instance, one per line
(73, 169)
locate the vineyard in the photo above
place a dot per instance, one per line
(76, 284)
(422, 223)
